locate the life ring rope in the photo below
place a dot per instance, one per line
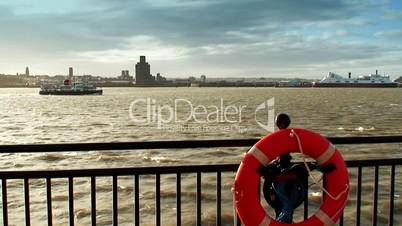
(327, 155)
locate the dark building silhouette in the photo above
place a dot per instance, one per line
(27, 71)
(70, 72)
(160, 78)
(143, 73)
(125, 75)
(203, 78)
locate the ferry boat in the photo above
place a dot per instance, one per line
(69, 88)
(366, 81)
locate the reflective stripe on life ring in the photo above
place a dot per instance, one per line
(324, 157)
(259, 155)
(246, 185)
(324, 218)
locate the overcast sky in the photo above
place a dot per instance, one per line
(278, 38)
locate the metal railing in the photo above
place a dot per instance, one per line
(198, 170)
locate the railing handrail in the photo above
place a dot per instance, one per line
(152, 170)
(175, 144)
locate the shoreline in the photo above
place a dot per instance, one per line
(210, 86)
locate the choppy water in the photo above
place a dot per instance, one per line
(26, 117)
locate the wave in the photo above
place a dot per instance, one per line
(51, 157)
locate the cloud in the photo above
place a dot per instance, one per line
(392, 14)
(393, 34)
(4, 12)
(133, 47)
(202, 22)
(179, 22)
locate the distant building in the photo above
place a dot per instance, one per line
(160, 78)
(125, 75)
(27, 71)
(192, 79)
(143, 73)
(70, 72)
(203, 78)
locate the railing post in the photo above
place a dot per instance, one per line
(71, 201)
(391, 197)
(178, 199)
(375, 196)
(115, 209)
(137, 200)
(158, 199)
(4, 200)
(305, 206)
(198, 222)
(218, 197)
(358, 195)
(93, 200)
(27, 202)
(49, 201)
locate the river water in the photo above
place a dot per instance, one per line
(146, 114)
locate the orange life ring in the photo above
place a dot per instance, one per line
(246, 185)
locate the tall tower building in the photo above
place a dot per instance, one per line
(27, 71)
(143, 73)
(70, 72)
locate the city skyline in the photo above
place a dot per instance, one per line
(222, 38)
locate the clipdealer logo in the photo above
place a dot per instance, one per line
(146, 111)
(268, 110)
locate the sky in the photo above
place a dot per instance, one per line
(217, 38)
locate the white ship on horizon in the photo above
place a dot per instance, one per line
(368, 81)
